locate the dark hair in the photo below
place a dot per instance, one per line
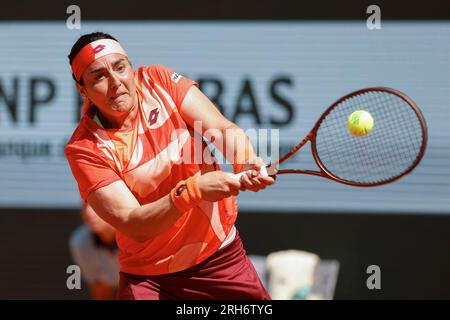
(83, 41)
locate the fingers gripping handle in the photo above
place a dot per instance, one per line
(265, 171)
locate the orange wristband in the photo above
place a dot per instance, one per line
(186, 194)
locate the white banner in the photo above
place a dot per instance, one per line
(263, 75)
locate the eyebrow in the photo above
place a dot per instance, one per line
(102, 68)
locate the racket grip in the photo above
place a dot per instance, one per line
(262, 172)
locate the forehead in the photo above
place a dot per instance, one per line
(105, 61)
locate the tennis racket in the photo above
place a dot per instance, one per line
(393, 148)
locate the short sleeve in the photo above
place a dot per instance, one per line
(90, 171)
(175, 84)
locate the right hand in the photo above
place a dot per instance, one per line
(218, 185)
(253, 179)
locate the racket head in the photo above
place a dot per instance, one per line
(384, 104)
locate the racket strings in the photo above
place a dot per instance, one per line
(385, 153)
(382, 158)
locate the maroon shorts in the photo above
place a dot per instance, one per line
(226, 275)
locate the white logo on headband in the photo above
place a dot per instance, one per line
(176, 77)
(98, 48)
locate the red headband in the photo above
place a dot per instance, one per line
(92, 52)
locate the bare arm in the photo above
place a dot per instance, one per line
(227, 137)
(197, 107)
(117, 206)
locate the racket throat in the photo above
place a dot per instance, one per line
(296, 171)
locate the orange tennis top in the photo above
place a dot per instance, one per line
(151, 159)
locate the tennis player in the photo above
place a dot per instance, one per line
(174, 217)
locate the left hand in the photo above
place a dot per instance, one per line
(253, 180)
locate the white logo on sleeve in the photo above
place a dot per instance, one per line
(176, 77)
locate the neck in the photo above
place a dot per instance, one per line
(123, 122)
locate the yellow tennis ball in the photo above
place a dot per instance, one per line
(360, 123)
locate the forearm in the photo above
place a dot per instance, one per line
(237, 147)
(152, 219)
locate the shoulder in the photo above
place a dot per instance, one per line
(83, 143)
(156, 72)
(79, 139)
(154, 68)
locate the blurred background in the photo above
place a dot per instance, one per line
(266, 65)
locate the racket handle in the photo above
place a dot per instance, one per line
(262, 172)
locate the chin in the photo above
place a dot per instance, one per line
(122, 107)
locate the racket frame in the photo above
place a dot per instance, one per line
(311, 137)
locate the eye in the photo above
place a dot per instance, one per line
(121, 67)
(99, 77)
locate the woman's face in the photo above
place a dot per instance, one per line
(109, 83)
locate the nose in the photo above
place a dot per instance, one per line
(114, 81)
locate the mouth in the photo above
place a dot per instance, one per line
(117, 96)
